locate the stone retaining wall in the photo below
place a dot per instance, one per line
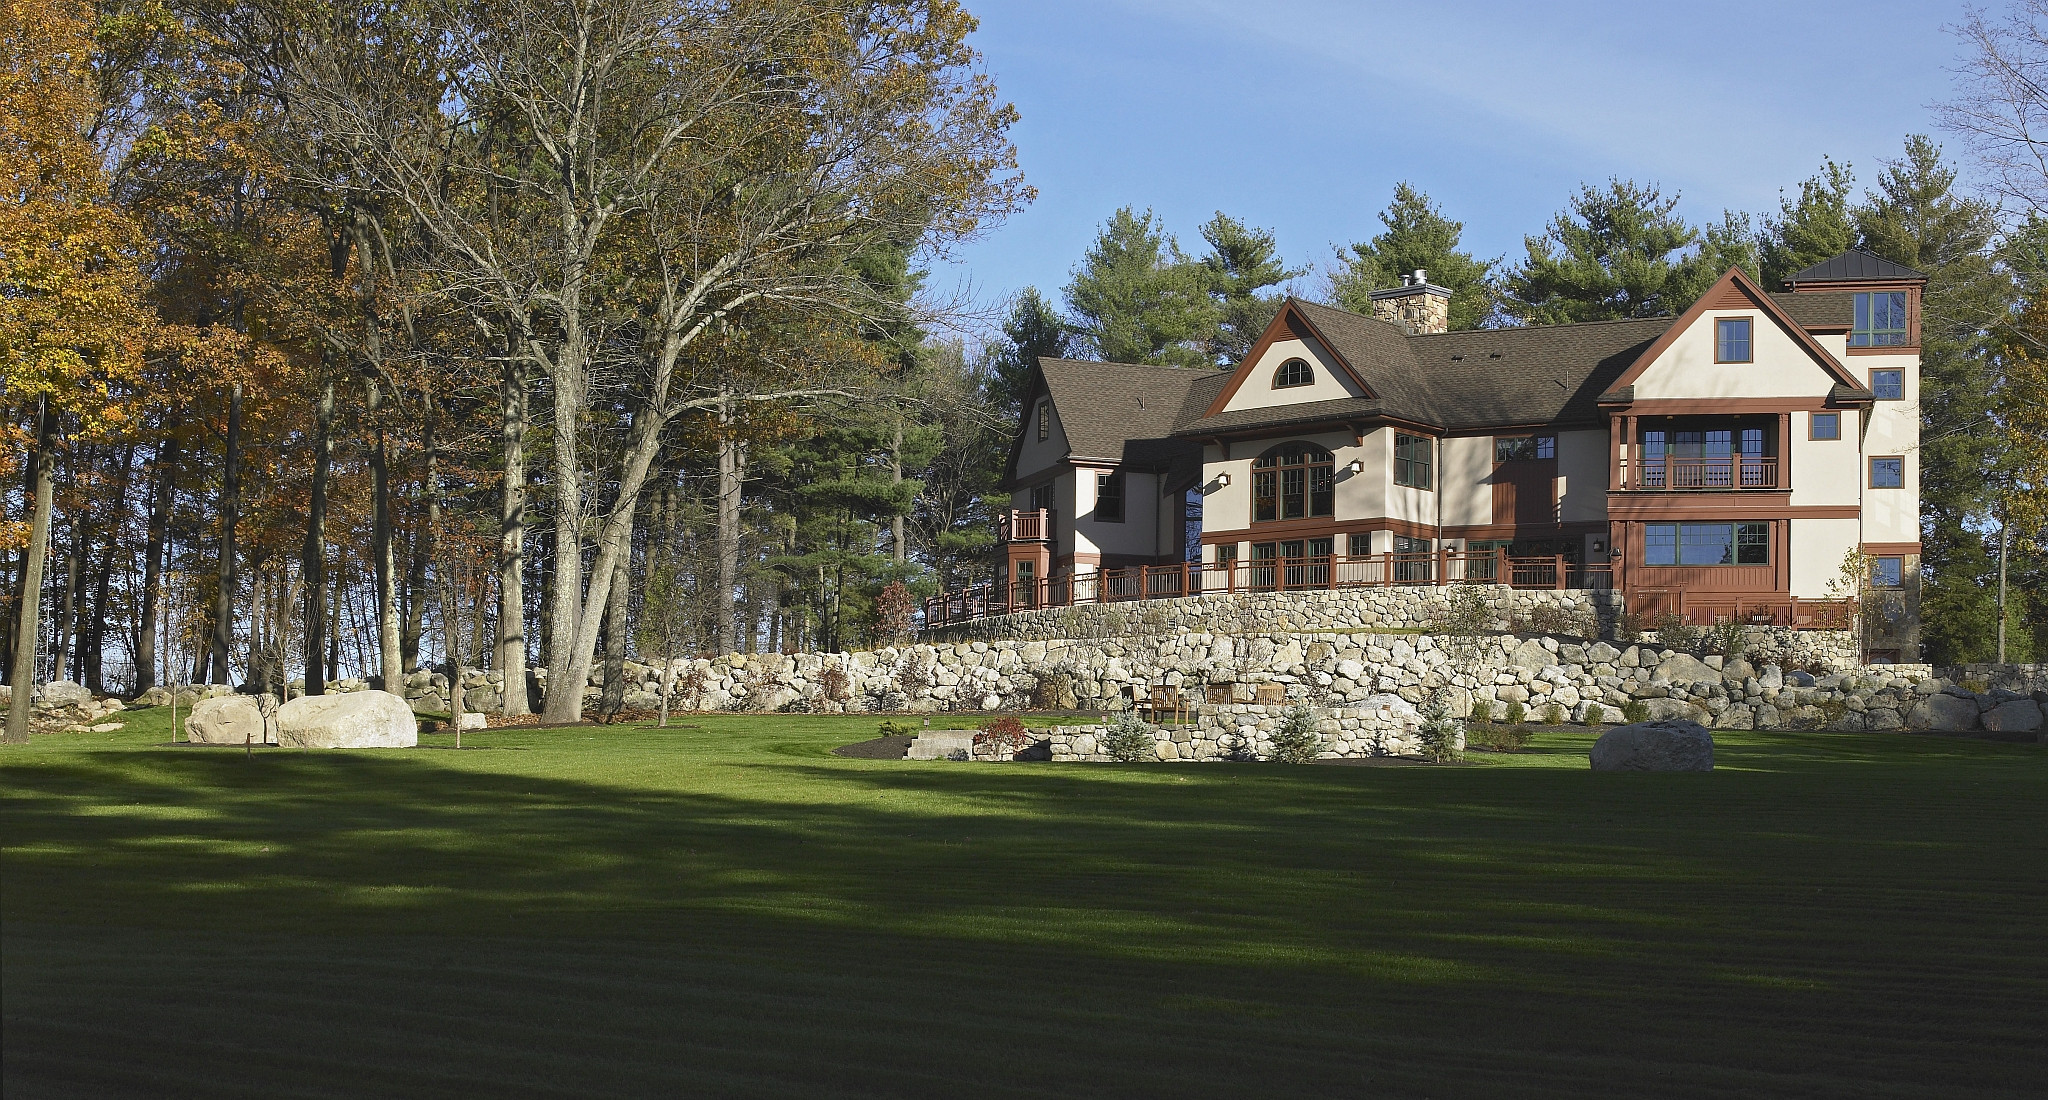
(1419, 607)
(1382, 725)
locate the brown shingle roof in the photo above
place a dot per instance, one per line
(1106, 409)
(1835, 310)
(1307, 412)
(1534, 375)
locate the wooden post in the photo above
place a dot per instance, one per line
(1559, 571)
(1443, 565)
(1386, 568)
(1500, 568)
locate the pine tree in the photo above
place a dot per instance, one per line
(1033, 330)
(1817, 227)
(1417, 238)
(1619, 253)
(1241, 262)
(1915, 218)
(1136, 298)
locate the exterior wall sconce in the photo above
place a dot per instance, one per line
(1357, 466)
(1223, 479)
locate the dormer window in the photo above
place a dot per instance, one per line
(1731, 340)
(1880, 320)
(1294, 372)
(1044, 421)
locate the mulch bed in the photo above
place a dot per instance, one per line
(881, 748)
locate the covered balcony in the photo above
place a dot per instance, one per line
(1703, 455)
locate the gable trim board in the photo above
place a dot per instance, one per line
(1716, 298)
(1279, 329)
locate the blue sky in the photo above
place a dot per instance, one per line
(1300, 115)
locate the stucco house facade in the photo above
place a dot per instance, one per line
(1720, 464)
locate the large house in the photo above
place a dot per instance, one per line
(1719, 464)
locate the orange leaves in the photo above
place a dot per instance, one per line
(71, 322)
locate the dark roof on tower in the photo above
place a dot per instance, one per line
(1855, 265)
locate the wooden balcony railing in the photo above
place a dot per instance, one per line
(1028, 525)
(1724, 474)
(1153, 582)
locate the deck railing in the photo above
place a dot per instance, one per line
(1028, 525)
(1153, 582)
(1725, 473)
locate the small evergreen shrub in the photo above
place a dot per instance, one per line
(894, 727)
(1440, 733)
(1296, 741)
(1635, 710)
(1131, 739)
(1516, 714)
(1554, 715)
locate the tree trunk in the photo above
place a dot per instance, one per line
(614, 698)
(69, 623)
(564, 699)
(42, 465)
(390, 668)
(162, 494)
(896, 524)
(512, 540)
(732, 473)
(424, 542)
(313, 556)
(230, 515)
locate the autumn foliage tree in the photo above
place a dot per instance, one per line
(71, 325)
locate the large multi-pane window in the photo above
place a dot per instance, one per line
(1888, 385)
(1731, 340)
(1293, 481)
(1707, 544)
(1109, 498)
(1827, 425)
(1885, 573)
(1888, 473)
(1880, 320)
(1041, 495)
(1411, 460)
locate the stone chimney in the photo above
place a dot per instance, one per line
(1417, 305)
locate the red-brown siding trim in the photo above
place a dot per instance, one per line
(1296, 528)
(1891, 549)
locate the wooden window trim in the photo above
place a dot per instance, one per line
(1870, 471)
(1813, 435)
(1870, 380)
(1750, 340)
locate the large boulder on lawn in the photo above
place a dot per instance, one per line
(230, 720)
(1943, 714)
(58, 694)
(1673, 746)
(356, 720)
(2013, 716)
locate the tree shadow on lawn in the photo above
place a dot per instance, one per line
(1312, 926)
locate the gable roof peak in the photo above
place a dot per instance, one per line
(1859, 264)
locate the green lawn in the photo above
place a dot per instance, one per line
(732, 911)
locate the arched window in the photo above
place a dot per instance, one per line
(1293, 481)
(1294, 372)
